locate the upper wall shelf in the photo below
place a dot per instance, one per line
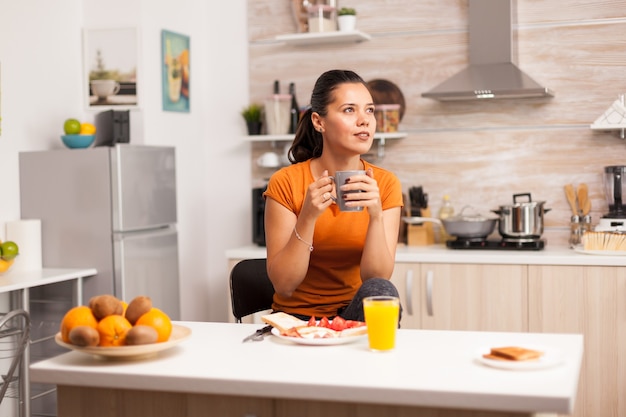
(288, 138)
(317, 38)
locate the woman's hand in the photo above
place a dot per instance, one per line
(318, 197)
(368, 197)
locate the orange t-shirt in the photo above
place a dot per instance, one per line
(334, 268)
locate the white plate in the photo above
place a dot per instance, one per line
(601, 252)
(551, 357)
(319, 341)
(179, 333)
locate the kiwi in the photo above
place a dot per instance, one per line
(141, 335)
(139, 306)
(84, 336)
(105, 305)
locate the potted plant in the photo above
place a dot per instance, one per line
(253, 115)
(346, 18)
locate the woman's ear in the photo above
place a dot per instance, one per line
(317, 122)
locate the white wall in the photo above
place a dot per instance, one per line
(41, 86)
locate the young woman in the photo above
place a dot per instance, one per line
(323, 261)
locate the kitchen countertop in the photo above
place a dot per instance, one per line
(14, 280)
(441, 254)
(427, 369)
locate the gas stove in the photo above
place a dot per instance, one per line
(504, 244)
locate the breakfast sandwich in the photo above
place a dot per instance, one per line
(513, 353)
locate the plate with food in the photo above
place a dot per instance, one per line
(319, 336)
(600, 252)
(519, 358)
(179, 334)
(322, 332)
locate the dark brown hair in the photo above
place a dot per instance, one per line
(308, 141)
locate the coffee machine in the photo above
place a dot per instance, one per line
(615, 192)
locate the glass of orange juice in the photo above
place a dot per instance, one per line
(381, 316)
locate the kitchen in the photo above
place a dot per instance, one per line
(478, 152)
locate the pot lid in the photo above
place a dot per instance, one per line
(530, 201)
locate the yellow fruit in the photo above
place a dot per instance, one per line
(87, 129)
(5, 265)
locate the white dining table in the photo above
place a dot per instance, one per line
(428, 372)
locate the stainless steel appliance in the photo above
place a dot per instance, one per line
(110, 208)
(615, 192)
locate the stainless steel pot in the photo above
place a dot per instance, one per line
(522, 220)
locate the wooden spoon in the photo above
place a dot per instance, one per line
(583, 199)
(570, 194)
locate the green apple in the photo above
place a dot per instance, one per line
(71, 127)
(8, 250)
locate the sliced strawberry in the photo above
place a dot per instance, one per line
(338, 323)
(312, 322)
(324, 322)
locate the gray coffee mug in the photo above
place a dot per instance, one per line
(341, 178)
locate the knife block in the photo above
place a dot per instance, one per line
(421, 234)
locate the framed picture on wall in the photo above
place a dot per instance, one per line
(110, 59)
(175, 71)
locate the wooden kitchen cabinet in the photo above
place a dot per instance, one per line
(590, 300)
(406, 278)
(476, 297)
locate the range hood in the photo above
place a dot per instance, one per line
(491, 72)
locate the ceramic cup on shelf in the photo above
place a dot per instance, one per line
(268, 160)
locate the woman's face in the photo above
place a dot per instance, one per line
(349, 124)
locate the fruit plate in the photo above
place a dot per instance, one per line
(179, 334)
(319, 341)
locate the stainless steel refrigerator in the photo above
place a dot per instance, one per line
(110, 208)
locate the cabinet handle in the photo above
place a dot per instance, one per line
(429, 292)
(409, 292)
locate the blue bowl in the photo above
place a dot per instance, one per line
(78, 141)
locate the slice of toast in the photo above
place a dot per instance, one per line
(513, 353)
(283, 321)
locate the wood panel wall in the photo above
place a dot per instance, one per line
(478, 152)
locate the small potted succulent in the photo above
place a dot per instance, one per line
(346, 18)
(253, 115)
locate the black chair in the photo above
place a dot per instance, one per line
(251, 290)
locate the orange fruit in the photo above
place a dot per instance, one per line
(77, 316)
(113, 330)
(125, 305)
(159, 321)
